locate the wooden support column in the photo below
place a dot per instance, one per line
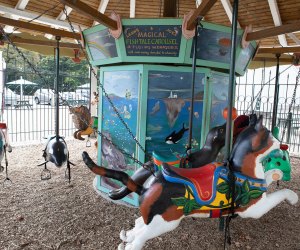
(92, 13)
(170, 8)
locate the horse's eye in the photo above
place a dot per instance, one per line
(284, 158)
(221, 130)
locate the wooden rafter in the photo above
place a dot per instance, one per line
(21, 5)
(202, 10)
(39, 28)
(91, 12)
(279, 50)
(170, 8)
(132, 8)
(20, 40)
(228, 9)
(277, 20)
(101, 8)
(43, 19)
(283, 29)
(267, 59)
(62, 15)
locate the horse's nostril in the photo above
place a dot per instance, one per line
(278, 163)
(284, 158)
(269, 159)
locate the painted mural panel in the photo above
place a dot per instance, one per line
(213, 45)
(122, 88)
(101, 45)
(219, 98)
(168, 109)
(244, 57)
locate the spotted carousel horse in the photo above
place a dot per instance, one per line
(205, 192)
(84, 123)
(4, 146)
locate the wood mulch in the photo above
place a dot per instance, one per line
(53, 214)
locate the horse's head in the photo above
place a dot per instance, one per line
(251, 146)
(277, 166)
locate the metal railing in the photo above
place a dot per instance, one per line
(255, 93)
(29, 108)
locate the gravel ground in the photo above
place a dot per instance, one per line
(52, 214)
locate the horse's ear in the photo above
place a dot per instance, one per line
(259, 125)
(253, 119)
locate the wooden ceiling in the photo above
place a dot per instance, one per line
(261, 14)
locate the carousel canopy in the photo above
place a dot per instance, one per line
(35, 23)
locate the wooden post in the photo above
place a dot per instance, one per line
(170, 8)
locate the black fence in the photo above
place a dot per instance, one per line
(255, 93)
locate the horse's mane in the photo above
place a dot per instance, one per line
(250, 141)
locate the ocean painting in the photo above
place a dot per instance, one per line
(168, 110)
(101, 45)
(244, 57)
(219, 98)
(122, 89)
(214, 45)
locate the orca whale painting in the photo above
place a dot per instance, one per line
(172, 90)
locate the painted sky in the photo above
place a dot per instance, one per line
(120, 82)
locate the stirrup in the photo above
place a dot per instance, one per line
(45, 174)
(88, 142)
(7, 181)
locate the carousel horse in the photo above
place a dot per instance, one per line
(83, 121)
(215, 140)
(205, 192)
(4, 146)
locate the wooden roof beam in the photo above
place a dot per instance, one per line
(198, 2)
(101, 8)
(228, 9)
(91, 12)
(21, 5)
(277, 20)
(39, 28)
(279, 50)
(295, 39)
(43, 19)
(132, 8)
(202, 10)
(62, 16)
(170, 8)
(20, 40)
(283, 29)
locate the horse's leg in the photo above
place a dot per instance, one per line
(269, 201)
(128, 236)
(157, 226)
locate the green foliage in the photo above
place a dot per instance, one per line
(71, 74)
(188, 204)
(243, 193)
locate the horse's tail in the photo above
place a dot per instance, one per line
(114, 174)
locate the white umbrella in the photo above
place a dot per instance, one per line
(21, 82)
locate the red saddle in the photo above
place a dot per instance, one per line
(200, 179)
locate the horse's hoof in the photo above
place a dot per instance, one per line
(123, 235)
(292, 197)
(121, 246)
